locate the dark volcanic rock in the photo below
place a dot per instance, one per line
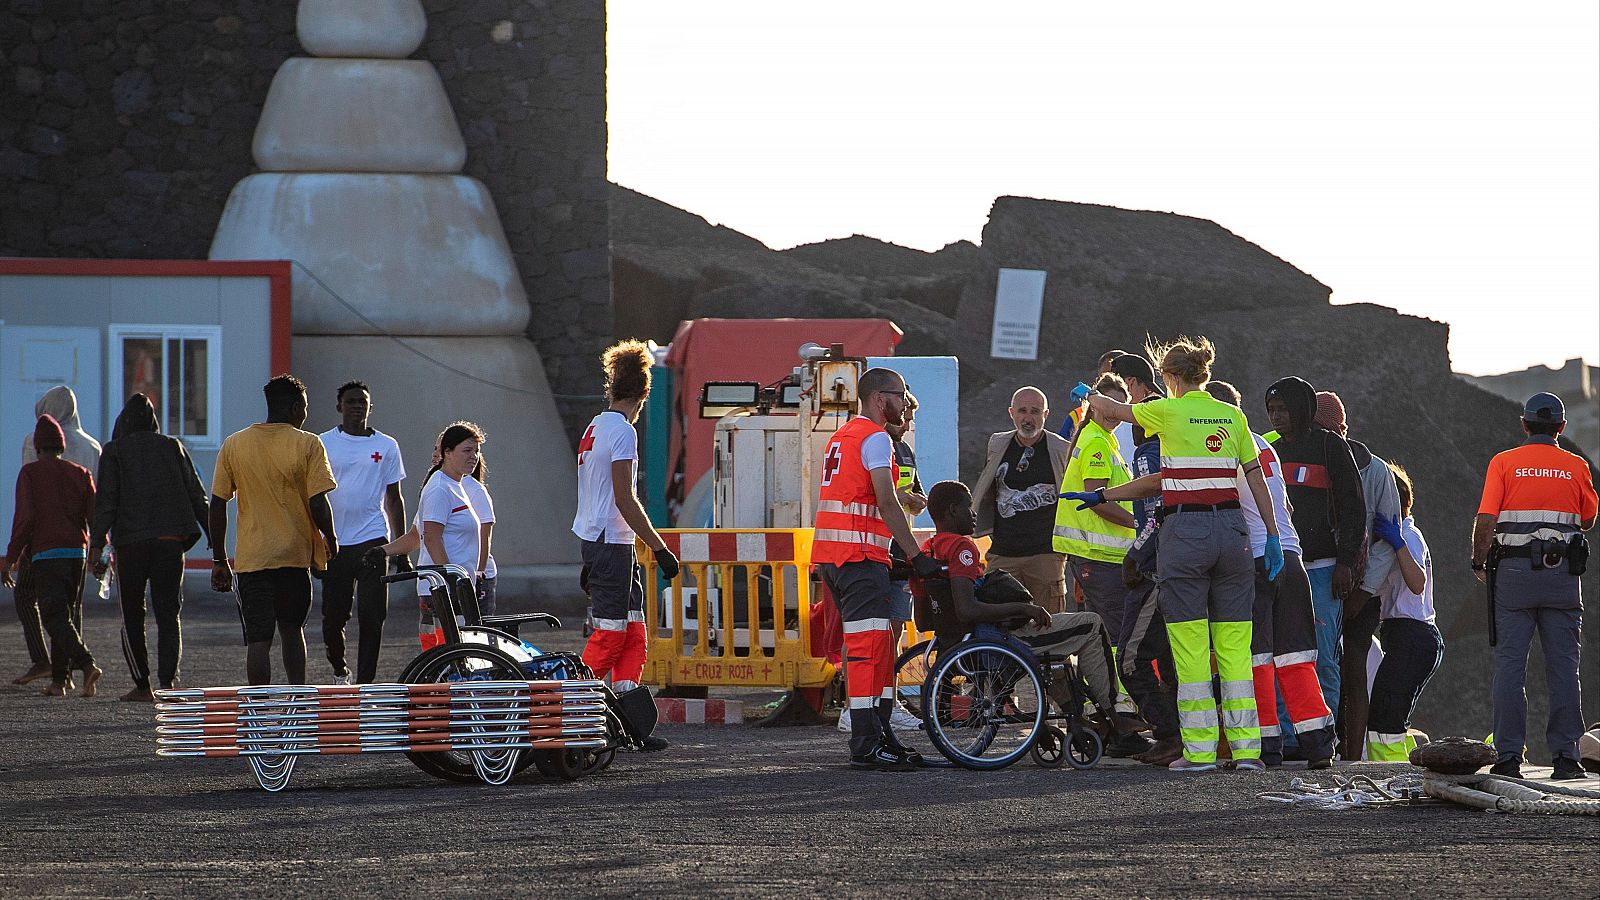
(1453, 756)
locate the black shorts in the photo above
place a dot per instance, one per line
(615, 587)
(272, 598)
(861, 589)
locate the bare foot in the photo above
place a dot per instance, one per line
(91, 679)
(56, 689)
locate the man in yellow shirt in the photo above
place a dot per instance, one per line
(281, 476)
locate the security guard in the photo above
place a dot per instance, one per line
(1528, 545)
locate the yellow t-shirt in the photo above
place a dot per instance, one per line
(274, 469)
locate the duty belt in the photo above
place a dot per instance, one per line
(1197, 507)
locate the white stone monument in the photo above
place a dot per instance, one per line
(361, 186)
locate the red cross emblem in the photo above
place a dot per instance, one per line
(831, 461)
(585, 445)
(377, 457)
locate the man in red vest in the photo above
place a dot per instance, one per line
(858, 515)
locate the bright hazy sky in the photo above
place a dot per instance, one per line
(1439, 158)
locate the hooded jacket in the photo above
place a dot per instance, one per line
(148, 485)
(1324, 486)
(62, 404)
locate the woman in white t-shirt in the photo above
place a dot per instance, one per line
(482, 504)
(1412, 646)
(446, 529)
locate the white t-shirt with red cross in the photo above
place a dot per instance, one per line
(364, 467)
(1272, 471)
(608, 439)
(445, 501)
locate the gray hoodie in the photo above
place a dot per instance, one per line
(61, 403)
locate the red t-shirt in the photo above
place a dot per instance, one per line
(956, 551)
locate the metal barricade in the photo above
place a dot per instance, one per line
(737, 615)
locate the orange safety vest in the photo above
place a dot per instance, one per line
(849, 526)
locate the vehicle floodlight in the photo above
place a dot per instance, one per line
(718, 398)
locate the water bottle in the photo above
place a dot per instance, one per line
(105, 580)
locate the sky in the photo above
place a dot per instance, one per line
(1439, 158)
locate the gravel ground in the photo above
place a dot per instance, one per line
(90, 811)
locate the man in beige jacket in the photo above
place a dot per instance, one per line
(1016, 499)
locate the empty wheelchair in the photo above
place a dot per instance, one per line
(490, 648)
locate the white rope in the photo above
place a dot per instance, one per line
(1498, 793)
(1356, 792)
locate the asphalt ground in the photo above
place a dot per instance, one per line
(89, 810)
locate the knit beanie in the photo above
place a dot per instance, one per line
(1330, 412)
(47, 435)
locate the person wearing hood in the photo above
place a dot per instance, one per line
(153, 506)
(55, 502)
(1329, 512)
(1361, 605)
(60, 404)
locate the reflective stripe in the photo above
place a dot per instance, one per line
(863, 702)
(1199, 690)
(1197, 719)
(611, 624)
(1260, 659)
(888, 693)
(841, 536)
(860, 625)
(1198, 484)
(1250, 744)
(1226, 464)
(1271, 731)
(1235, 719)
(849, 509)
(1238, 690)
(1068, 533)
(1296, 658)
(1385, 738)
(1313, 724)
(1538, 515)
(1543, 534)
(636, 616)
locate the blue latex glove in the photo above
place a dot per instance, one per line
(1274, 557)
(1388, 530)
(1079, 394)
(1085, 499)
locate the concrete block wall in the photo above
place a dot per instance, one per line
(123, 126)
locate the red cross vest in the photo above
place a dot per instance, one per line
(849, 526)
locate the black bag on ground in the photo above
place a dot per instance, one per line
(638, 710)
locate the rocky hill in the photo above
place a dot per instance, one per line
(1114, 276)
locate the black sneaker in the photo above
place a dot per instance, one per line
(1128, 744)
(1325, 762)
(1567, 770)
(1511, 768)
(901, 750)
(882, 759)
(653, 744)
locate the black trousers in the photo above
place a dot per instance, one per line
(157, 566)
(58, 585)
(1411, 653)
(343, 584)
(1145, 650)
(28, 614)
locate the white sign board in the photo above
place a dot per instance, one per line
(1018, 299)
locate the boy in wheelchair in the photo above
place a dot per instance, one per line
(1007, 607)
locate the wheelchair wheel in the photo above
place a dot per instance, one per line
(1050, 750)
(910, 673)
(461, 662)
(566, 765)
(597, 761)
(1085, 748)
(985, 704)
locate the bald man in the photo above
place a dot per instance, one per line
(1016, 499)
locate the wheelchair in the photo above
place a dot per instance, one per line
(489, 648)
(987, 699)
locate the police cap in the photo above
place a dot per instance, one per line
(1544, 408)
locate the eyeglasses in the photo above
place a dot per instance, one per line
(900, 394)
(1022, 463)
